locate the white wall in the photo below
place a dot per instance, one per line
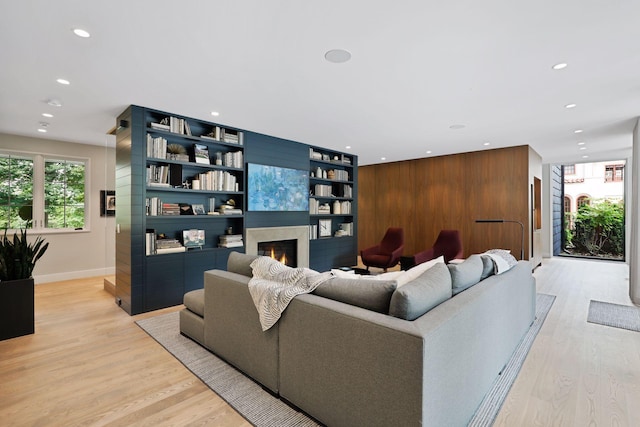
(76, 254)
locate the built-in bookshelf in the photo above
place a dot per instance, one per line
(331, 192)
(175, 176)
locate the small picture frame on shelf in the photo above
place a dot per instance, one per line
(193, 238)
(201, 154)
(324, 228)
(198, 209)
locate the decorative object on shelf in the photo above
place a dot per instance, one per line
(107, 202)
(508, 220)
(177, 152)
(324, 226)
(193, 238)
(17, 260)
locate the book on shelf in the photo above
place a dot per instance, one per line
(168, 243)
(201, 154)
(150, 241)
(160, 251)
(160, 126)
(230, 241)
(156, 147)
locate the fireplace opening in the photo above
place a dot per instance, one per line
(284, 251)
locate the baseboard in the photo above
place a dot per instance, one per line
(69, 275)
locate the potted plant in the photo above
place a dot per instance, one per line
(17, 261)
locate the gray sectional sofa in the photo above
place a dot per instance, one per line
(339, 355)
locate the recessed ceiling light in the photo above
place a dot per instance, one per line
(570, 106)
(455, 127)
(348, 147)
(581, 143)
(337, 56)
(42, 130)
(428, 151)
(560, 66)
(53, 102)
(63, 81)
(47, 115)
(43, 124)
(383, 158)
(583, 148)
(81, 33)
(578, 131)
(487, 143)
(585, 157)
(215, 113)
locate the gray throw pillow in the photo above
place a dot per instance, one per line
(465, 274)
(240, 263)
(422, 294)
(373, 295)
(487, 267)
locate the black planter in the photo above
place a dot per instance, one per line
(16, 308)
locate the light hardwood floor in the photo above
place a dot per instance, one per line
(89, 364)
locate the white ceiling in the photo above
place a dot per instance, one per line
(417, 68)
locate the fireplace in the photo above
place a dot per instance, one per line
(284, 251)
(298, 234)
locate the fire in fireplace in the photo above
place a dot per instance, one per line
(284, 251)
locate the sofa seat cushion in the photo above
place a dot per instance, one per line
(371, 294)
(194, 301)
(466, 274)
(422, 294)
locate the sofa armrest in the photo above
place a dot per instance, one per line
(232, 327)
(424, 256)
(370, 251)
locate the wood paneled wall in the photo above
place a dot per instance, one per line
(427, 195)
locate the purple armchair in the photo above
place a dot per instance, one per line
(387, 253)
(448, 244)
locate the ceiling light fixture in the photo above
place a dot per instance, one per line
(337, 56)
(53, 102)
(428, 151)
(63, 81)
(583, 148)
(585, 157)
(383, 158)
(581, 143)
(578, 131)
(456, 127)
(215, 113)
(348, 147)
(570, 106)
(47, 115)
(42, 130)
(560, 66)
(486, 144)
(43, 124)
(81, 33)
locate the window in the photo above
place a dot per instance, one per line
(42, 192)
(613, 173)
(569, 169)
(567, 204)
(582, 200)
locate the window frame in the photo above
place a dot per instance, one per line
(614, 168)
(39, 160)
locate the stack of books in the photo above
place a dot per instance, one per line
(167, 246)
(170, 209)
(230, 241)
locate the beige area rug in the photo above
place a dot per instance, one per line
(263, 409)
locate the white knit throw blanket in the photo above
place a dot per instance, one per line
(274, 285)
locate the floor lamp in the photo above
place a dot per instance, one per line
(509, 220)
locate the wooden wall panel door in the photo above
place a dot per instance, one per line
(367, 181)
(497, 188)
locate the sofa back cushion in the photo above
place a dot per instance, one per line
(466, 274)
(417, 297)
(240, 263)
(371, 294)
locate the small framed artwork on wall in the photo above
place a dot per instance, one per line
(107, 203)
